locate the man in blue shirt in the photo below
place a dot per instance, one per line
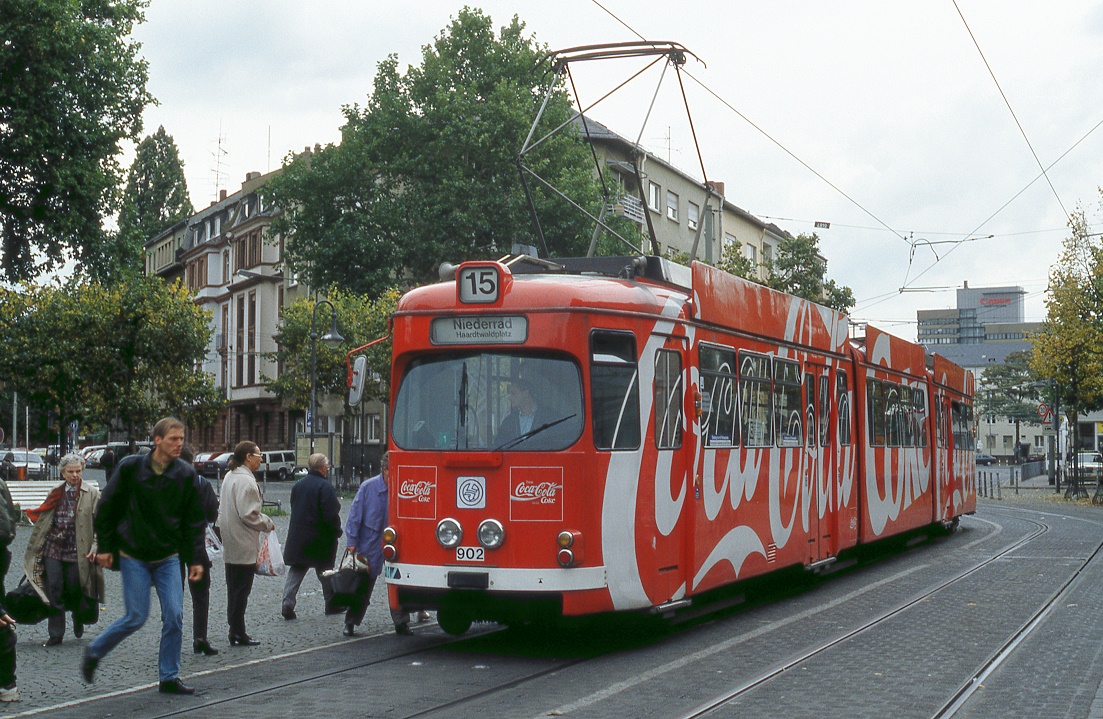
(364, 528)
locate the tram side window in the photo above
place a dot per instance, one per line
(614, 389)
(668, 399)
(919, 416)
(896, 422)
(755, 415)
(962, 417)
(940, 422)
(875, 411)
(825, 407)
(718, 396)
(788, 423)
(843, 398)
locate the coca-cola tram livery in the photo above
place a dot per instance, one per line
(617, 434)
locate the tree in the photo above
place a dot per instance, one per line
(1008, 390)
(72, 87)
(1068, 349)
(426, 171)
(799, 269)
(360, 319)
(156, 198)
(125, 352)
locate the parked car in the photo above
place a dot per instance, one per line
(278, 464)
(1091, 464)
(91, 449)
(41, 451)
(21, 464)
(983, 458)
(93, 459)
(214, 466)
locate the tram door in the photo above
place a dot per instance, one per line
(673, 449)
(815, 480)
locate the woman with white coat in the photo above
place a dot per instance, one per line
(242, 522)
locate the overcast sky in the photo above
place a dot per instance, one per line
(889, 103)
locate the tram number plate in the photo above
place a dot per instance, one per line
(470, 554)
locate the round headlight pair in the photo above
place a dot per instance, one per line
(491, 534)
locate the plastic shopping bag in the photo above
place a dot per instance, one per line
(270, 561)
(213, 544)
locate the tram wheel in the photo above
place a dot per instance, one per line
(453, 621)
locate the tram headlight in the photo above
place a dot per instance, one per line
(389, 534)
(565, 557)
(449, 533)
(389, 552)
(565, 539)
(491, 533)
(570, 548)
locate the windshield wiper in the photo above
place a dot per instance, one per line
(532, 433)
(462, 408)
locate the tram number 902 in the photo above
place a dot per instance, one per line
(479, 285)
(469, 554)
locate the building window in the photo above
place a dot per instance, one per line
(654, 195)
(767, 254)
(252, 338)
(751, 253)
(239, 350)
(226, 266)
(693, 214)
(671, 206)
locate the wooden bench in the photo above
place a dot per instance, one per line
(30, 494)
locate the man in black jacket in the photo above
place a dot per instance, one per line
(9, 518)
(313, 533)
(149, 520)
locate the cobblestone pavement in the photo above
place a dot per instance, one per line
(50, 676)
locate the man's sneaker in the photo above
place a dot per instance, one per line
(9, 694)
(88, 664)
(289, 614)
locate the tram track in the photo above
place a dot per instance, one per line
(794, 661)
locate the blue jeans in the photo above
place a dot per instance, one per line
(138, 577)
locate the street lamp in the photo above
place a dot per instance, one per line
(332, 339)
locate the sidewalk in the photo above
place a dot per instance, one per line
(48, 677)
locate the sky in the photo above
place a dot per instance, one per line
(883, 119)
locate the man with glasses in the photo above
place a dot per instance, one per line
(150, 519)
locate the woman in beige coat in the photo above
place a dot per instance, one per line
(242, 522)
(61, 543)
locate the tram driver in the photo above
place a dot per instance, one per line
(525, 415)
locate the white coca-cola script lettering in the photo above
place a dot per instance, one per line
(541, 492)
(416, 491)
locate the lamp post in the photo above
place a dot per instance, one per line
(332, 339)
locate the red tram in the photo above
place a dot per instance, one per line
(615, 434)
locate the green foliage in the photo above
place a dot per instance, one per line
(1007, 390)
(426, 171)
(734, 262)
(156, 198)
(360, 320)
(799, 269)
(99, 353)
(1068, 349)
(72, 87)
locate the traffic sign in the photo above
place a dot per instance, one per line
(1045, 412)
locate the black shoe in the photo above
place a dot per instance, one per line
(52, 642)
(243, 640)
(330, 611)
(403, 629)
(350, 630)
(202, 646)
(289, 614)
(175, 686)
(78, 629)
(88, 666)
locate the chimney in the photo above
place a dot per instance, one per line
(221, 195)
(966, 285)
(251, 176)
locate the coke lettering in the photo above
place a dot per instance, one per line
(416, 491)
(541, 492)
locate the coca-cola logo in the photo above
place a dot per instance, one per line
(416, 491)
(540, 492)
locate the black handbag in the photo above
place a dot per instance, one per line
(347, 581)
(87, 610)
(25, 606)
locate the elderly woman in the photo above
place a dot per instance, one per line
(242, 520)
(58, 559)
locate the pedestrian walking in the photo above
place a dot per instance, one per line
(107, 461)
(149, 520)
(364, 527)
(9, 520)
(201, 590)
(242, 522)
(60, 556)
(312, 535)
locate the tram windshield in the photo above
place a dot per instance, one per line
(489, 401)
